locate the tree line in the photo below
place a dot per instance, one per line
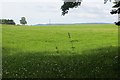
(12, 22)
(7, 21)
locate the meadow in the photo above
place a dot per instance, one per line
(60, 51)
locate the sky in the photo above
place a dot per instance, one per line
(48, 11)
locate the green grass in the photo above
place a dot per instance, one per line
(31, 51)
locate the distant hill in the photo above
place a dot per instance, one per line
(68, 24)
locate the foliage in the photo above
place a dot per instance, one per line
(7, 21)
(116, 11)
(23, 21)
(72, 4)
(68, 5)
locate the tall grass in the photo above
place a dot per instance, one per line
(44, 52)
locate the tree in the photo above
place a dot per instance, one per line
(23, 21)
(11, 22)
(116, 11)
(7, 21)
(69, 4)
(73, 4)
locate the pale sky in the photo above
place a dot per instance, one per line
(41, 11)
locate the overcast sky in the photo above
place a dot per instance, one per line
(43, 11)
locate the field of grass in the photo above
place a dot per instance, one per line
(48, 52)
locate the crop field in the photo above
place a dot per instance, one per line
(60, 51)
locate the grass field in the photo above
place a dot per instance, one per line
(48, 52)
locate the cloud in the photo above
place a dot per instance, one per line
(87, 15)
